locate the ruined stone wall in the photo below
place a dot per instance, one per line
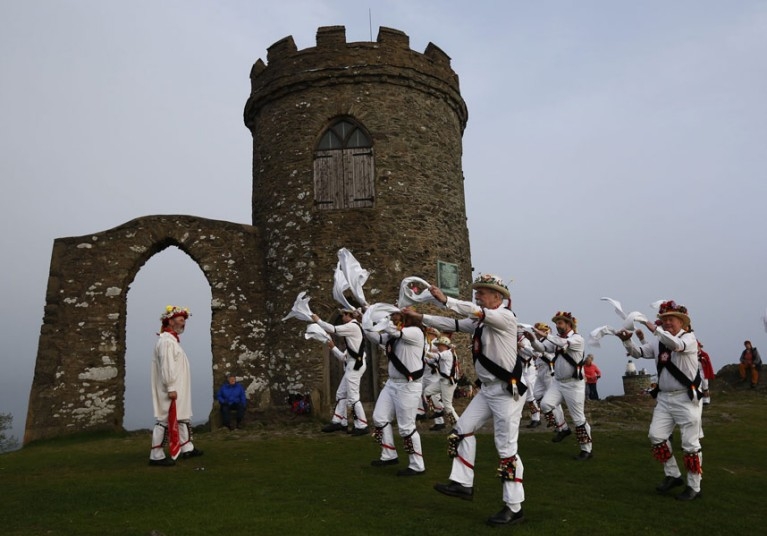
(79, 381)
(411, 106)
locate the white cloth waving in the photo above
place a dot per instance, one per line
(300, 309)
(355, 275)
(408, 295)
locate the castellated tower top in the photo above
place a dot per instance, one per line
(334, 61)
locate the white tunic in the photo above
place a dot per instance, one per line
(171, 372)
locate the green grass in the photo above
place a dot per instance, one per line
(292, 480)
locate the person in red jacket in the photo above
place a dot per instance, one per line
(592, 373)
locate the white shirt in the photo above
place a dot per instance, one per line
(572, 344)
(684, 354)
(171, 372)
(499, 336)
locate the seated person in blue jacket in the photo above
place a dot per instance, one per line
(231, 397)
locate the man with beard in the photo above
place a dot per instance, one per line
(171, 381)
(677, 395)
(501, 396)
(568, 384)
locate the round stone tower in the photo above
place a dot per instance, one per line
(355, 145)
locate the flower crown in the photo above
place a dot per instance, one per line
(671, 307)
(491, 281)
(566, 316)
(540, 326)
(172, 311)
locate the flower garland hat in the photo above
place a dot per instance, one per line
(492, 282)
(670, 308)
(567, 317)
(172, 311)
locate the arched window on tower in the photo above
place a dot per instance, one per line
(343, 167)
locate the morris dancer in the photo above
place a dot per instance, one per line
(677, 395)
(400, 394)
(545, 369)
(501, 396)
(353, 358)
(444, 360)
(171, 380)
(568, 385)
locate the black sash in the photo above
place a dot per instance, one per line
(495, 369)
(399, 365)
(691, 385)
(578, 373)
(359, 354)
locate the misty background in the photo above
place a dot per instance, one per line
(613, 149)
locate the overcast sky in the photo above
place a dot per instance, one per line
(613, 149)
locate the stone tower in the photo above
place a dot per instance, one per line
(355, 145)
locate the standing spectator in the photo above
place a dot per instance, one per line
(171, 382)
(500, 397)
(592, 374)
(675, 352)
(231, 397)
(750, 364)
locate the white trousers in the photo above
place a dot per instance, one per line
(573, 393)
(676, 409)
(430, 384)
(348, 397)
(158, 435)
(399, 400)
(445, 390)
(492, 401)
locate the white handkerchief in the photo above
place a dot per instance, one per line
(409, 296)
(300, 309)
(340, 284)
(314, 331)
(355, 275)
(376, 317)
(596, 335)
(617, 305)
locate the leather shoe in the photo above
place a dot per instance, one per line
(583, 456)
(410, 472)
(561, 435)
(454, 489)
(689, 494)
(534, 424)
(192, 453)
(165, 462)
(381, 463)
(668, 483)
(438, 427)
(360, 431)
(506, 517)
(333, 427)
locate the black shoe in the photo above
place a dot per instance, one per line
(192, 453)
(689, 494)
(583, 456)
(333, 427)
(506, 517)
(534, 424)
(454, 489)
(360, 431)
(409, 472)
(668, 483)
(420, 417)
(437, 427)
(561, 435)
(165, 462)
(381, 463)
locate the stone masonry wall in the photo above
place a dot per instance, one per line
(410, 104)
(79, 381)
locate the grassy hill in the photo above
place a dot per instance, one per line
(287, 478)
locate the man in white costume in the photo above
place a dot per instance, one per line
(443, 359)
(171, 380)
(430, 383)
(353, 358)
(545, 369)
(568, 383)
(677, 395)
(530, 374)
(501, 396)
(400, 396)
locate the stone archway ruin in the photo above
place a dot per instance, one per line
(79, 380)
